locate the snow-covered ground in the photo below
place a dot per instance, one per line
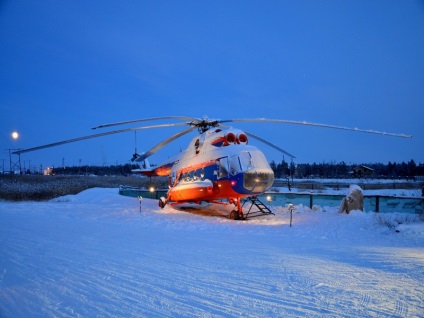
(96, 255)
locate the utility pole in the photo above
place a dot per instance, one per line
(16, 164)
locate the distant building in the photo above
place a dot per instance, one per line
(362, 171)
(48, 171)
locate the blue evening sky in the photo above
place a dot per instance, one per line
(66, 66)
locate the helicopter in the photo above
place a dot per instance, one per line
(218, 164)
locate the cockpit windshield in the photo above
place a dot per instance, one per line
(255, 159)
(257, 174)
(243, 162)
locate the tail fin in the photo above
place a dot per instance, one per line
(146, 169)
(144, 164)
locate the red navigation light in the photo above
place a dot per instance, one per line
(233, 183)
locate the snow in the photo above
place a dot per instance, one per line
(99, 254)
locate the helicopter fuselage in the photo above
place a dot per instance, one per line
(218, 164)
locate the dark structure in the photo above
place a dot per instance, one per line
(362, 171)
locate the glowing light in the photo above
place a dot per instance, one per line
(152, 189)
(268, 198)
(15, 135)
(233, 183)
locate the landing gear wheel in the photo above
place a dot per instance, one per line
(162, 202)
(240, 216)
(234, 215)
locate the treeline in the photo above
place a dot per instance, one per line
(281, 170)
(344, 170)
(115, 170)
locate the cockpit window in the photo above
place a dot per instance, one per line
(259, 160)
(235, 166)
(246, 161)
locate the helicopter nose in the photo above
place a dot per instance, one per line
(258, 180)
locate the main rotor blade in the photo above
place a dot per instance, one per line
(94, 136)
(270, 144)
(146, 119)
(304, 123)
(164, 143)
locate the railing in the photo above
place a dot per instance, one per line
(372, 203)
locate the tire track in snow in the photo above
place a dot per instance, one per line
(358, 292)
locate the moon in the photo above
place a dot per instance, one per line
(15, 135)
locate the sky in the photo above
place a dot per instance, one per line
(67, 66)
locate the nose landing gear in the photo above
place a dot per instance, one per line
(237, 214)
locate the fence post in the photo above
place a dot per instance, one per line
(311, 201)
(377, 203)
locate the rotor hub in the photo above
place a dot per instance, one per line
(204, 124)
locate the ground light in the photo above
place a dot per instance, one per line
(151, 190)
(269, 199)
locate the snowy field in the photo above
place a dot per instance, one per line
(96, 255)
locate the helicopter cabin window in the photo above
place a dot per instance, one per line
(186, 177)
(172, 179)
(223, 167)
(235, 165)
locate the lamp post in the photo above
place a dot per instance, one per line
(291, 209)
(140, 198)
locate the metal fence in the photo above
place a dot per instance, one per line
(372, 203)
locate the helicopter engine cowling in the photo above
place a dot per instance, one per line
(230, 138)
(242, 139)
